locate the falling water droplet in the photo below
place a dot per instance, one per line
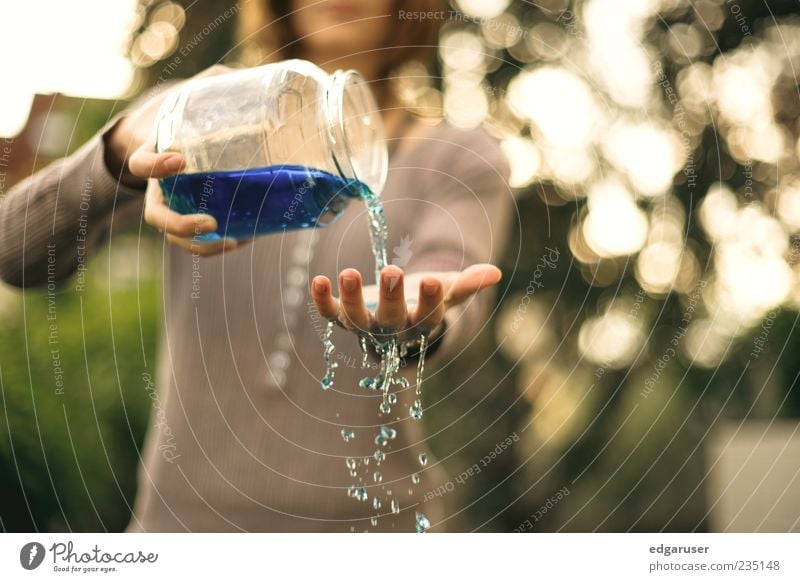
(395, 506)
(373, 520)
(423, 347)
(388, 432)
(328, 350)
(422, 523)
(365, 460)
(423, 459)
(376, 503)
(361, 494)
(415, 410)
(392, 398)
(351, 463)
(347, 434)
(415, 478)
(385, 408)
(351, 491)
(362, 341)
(379, 456)
(377, 477)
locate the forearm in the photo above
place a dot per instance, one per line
(49, 221)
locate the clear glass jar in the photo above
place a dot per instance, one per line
(272, 148)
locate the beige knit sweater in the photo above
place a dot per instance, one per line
(245, 439)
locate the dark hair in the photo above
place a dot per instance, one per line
(265, 33)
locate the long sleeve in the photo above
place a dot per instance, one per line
(51, 221)
(463, 219)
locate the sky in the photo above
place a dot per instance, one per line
(78, 49)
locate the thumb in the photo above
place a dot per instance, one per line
(471, 280)
(145, 163)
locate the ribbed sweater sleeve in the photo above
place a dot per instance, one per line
(466, 205)
(51, 221)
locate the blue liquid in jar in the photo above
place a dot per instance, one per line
(256, 201)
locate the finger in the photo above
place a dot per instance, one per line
(470, 281)
(145, 163)
(203, 248)
(391, 312)
(430, 309)
(326, 303)
(158, 215)
(351, 300)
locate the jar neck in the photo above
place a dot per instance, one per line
(335, 124)
(354, 131)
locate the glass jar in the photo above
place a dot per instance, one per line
(272, 148)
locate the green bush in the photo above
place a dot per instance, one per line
(68, 453)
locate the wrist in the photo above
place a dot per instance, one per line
(115, 156)
(433, 340)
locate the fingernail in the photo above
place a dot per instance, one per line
(430, 288)
(206, 223)
(349, 283)
(319, 285)
(173, 163)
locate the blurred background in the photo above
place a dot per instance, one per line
(645, 356)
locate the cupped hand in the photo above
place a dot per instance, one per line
(390, 308)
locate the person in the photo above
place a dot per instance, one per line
(247, 440)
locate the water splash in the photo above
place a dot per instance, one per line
(390, 351)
